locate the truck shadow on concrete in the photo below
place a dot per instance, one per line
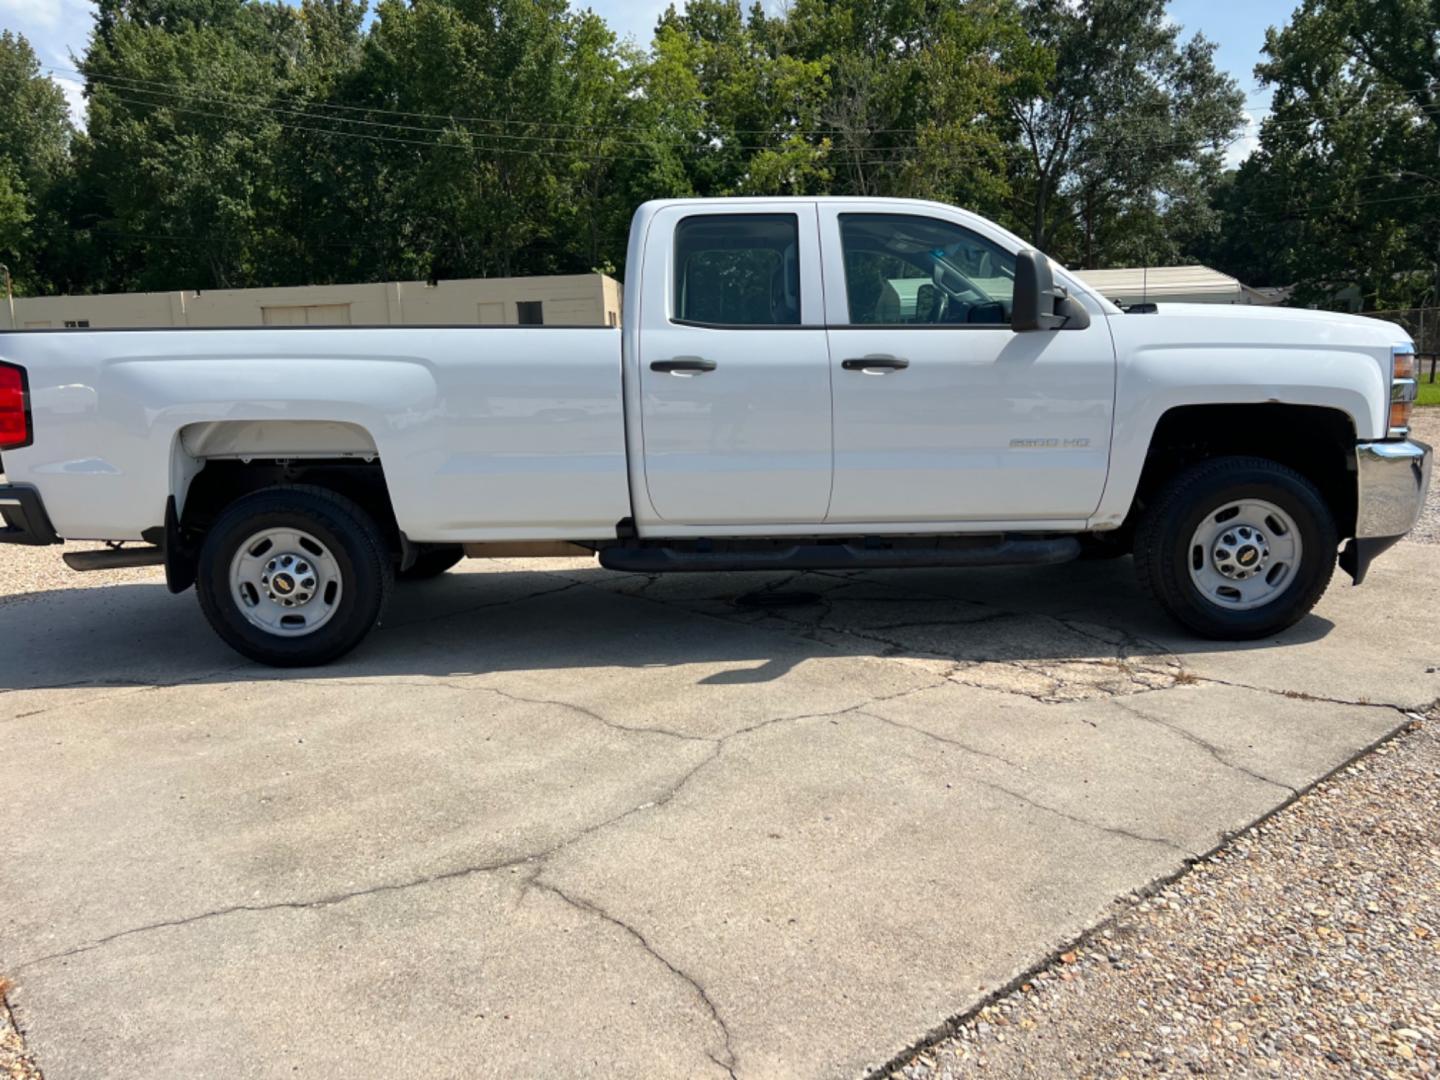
(1086, 620)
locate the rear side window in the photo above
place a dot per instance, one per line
(738, 270)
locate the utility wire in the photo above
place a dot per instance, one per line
(169, 88)
(172, 87)
(1120, 141)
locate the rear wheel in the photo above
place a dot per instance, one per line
(1237, 548)
(294, 576)
(431, 563)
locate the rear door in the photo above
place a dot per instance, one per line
(734, 365)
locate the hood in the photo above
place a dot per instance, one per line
(1295, 326)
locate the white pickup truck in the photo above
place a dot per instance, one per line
(799, 383)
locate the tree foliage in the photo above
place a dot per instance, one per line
(1342, 198)
(255, 142)
(35, 136)
(1130, 133)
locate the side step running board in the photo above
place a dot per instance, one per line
(812, 556)
(114, 558)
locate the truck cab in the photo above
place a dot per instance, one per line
(852, 364)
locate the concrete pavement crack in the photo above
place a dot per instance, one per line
(634, 729)
(1114, 830)
(1152, 659)
(450, 684)
(528, 859)
(532, 858)
(117, 688)
(940, 738)
(718, 744)
(329, 900)
(729, 1063)
(993, 785)
(1204, 744)
(1302, 695)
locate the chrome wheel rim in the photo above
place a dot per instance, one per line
(286, 582)
(1244, 554)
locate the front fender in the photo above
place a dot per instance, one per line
(1153, 380)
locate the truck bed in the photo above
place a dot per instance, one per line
(484, 433)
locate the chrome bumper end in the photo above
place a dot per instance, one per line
(1392, 479)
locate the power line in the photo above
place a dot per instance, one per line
(879, 156)
(1122, 140)
(172, 89)
(190, 88)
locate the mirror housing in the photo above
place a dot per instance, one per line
(1039, 303)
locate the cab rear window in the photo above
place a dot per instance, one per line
(738, 270)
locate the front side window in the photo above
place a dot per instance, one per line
(902, 270)
(738, 270)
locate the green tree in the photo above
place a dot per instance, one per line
(181, 139)
(918, 93)
(1342, 198)
(35, 138)
(1130, 132)
(865, 97)
(484, 137)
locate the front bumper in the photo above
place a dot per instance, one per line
(1392, 479)
(22, 517)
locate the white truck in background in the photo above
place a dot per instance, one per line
(798, 383)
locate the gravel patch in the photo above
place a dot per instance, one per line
(26, 571)
(1426, 428)
(1308, 946)
(15, 1063)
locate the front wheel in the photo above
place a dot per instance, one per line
(1237, 548)
(293, 576)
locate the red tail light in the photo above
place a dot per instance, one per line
(14, 408)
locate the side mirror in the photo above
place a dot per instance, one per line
(1039, 303)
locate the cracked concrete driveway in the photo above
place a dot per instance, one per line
(556, 820)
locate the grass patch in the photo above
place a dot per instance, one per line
(1429, 392)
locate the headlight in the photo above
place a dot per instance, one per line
(1404, 387)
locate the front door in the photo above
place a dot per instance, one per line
(942, 413)
(734, 366)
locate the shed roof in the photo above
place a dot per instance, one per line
(1159, 282)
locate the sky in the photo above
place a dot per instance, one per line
(57, 28)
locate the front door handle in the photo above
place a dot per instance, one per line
(875, 364)
(684, 365)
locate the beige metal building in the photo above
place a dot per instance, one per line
(576, 300)
(1175, 285)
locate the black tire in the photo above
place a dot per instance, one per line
(352, 540)
(431, 564)
(1162, 542)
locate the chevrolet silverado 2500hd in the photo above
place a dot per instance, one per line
(799, 383)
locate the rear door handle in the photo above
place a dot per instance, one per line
(875, 364)
(684, 365)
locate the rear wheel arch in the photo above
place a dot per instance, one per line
(215, 464)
